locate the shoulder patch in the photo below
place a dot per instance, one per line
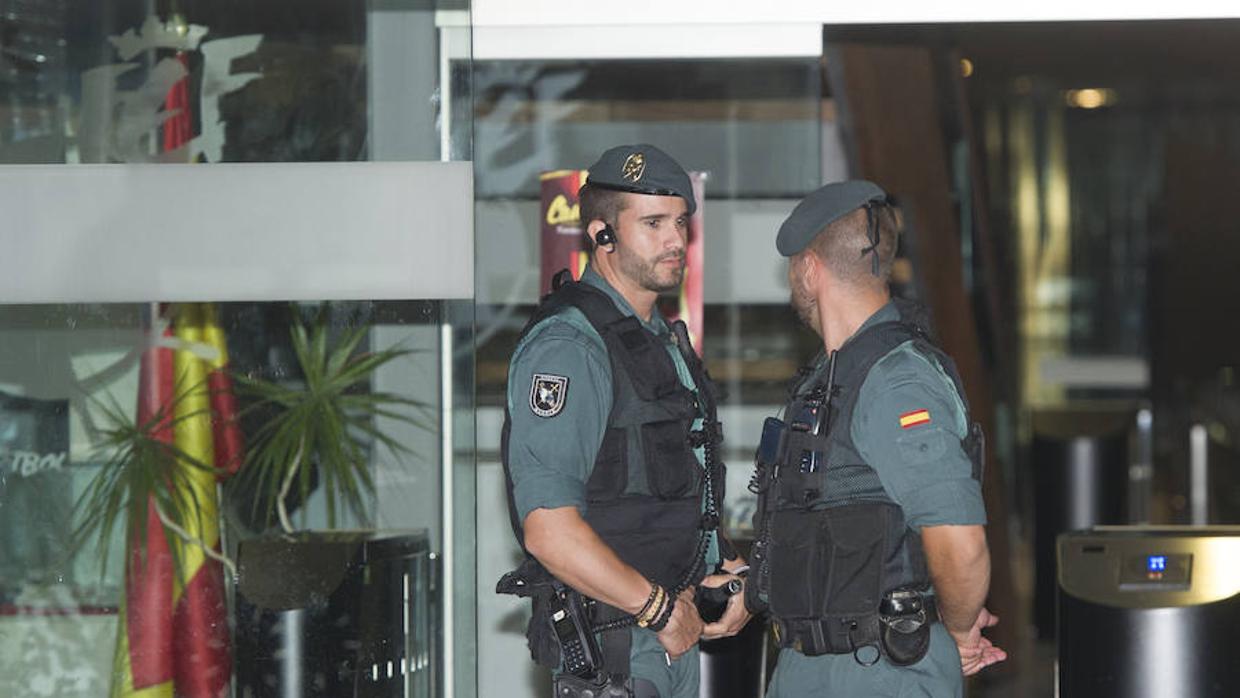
(547, 394)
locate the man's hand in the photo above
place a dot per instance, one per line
(960, 568)
(684, 627)
(734, 617)
(976, 651)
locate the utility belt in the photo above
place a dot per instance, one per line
(827, 570)
(899, 631)
(838, 569)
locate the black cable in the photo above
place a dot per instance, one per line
(711, 513)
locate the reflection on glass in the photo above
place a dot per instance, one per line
(128, 491)
(751, 125)
(190, 493)
(754, 127)
(200, 81)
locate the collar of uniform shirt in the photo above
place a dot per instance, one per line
(886, 313)
(657, 324)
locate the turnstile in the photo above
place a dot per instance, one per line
(1149, 612)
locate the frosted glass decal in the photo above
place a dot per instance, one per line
(116, 123)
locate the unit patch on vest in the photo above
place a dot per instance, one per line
(914, 418)
(547, 394)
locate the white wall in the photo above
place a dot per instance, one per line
(628, 16)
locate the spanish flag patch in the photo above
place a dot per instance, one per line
(914, 418)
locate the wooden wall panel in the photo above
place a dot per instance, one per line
(895, 136)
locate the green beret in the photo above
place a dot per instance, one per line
(822, 207)
(642, 169)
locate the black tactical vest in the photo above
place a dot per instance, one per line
(832, 543)
(645, 494)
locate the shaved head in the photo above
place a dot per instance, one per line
(844, 246)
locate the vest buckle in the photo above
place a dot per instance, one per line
(710, 522)
(697, 438)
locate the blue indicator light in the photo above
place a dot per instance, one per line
(1156, 563)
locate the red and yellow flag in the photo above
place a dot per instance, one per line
(173, 636)
(914, 418)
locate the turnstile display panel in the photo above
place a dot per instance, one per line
(1147, 612)
(1162, 571)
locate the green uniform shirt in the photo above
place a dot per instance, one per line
(908, 424)
(551, 458)
(920, 462)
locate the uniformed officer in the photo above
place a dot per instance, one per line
(872, 559)
(610, 440)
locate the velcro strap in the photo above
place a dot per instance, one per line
(616, 649)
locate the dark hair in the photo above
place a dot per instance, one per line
(845, 247)
(598, 204)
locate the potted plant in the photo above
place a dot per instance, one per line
(320, 429)
(320, 424)
(142, 472)
(317, 430)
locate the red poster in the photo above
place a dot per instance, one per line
(563, 247)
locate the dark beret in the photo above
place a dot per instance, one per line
(822, 207)
(642, 169)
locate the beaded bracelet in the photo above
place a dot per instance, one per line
(654, 605)
(665, 615)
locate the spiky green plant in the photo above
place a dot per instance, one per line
(323, 421)
(140, 469)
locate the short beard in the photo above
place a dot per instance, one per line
(806, 306)
(646, 273)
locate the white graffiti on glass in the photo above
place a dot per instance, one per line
(27, 463)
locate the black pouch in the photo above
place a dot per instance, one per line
(797, 568)
(544, 647)
(904, 627)
(569, 686)
(531, 581)
(671, 468)
(975, 447)
(611, 468)
(828, 563)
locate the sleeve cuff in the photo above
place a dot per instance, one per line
(946, 504)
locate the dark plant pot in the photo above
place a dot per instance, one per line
(333, 614)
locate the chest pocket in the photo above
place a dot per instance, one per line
(654, 408)
(925, 445)
(671, 467)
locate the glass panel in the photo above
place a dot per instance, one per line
(81, 396)
(208, 81)
(376, 586)
(750, 124)
(77, 398)
(755, 128)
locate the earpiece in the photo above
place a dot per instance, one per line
(605, 237)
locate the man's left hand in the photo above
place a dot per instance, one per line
(976, 650)
(736, 615)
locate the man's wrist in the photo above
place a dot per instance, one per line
(644, 601)
(663, 615)
(653, 608)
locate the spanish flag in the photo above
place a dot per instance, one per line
(914, 418)
(173, 634)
